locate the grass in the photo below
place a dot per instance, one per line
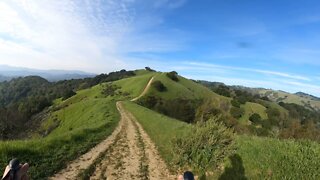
(251, 108)
(160, 128)
(291, 98)
(269, 158)
(256, 157)
(135, 85)
(184, 88)
(84, 120)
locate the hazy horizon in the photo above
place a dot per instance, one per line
(268, 44)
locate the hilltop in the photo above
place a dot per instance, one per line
(166, 108)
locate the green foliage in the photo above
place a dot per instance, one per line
(255, 118)
(223, 91)
(23, 98)
(83, 123)
(204, 147)
(68, 94)
(182, 109)
(173, 76)
(149, 69)
(237, 112)
(235, 103)
(158, 86)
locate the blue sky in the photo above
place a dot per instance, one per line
(257, 43)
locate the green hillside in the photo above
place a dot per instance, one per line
(183, 88)
(255, 158)
(71, 127)
(280, 96)
(78, 124)
(251, 108)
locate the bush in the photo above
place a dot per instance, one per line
(205, 146)
(149, 69)
(235, 103)
(173, 75)
(255, 118)
(159, 86)
(237, 112)
(68, 94)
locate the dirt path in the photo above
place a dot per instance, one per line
(132, 155)
(84, 161)
(144, 91)
(128, 153)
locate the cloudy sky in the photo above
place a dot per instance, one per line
(257, 43)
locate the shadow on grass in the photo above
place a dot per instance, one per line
(236, 171)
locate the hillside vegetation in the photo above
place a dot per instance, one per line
(255, 158)
(174, 112)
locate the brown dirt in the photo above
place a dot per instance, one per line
(129, 153)
(132, 156)
(144, 91)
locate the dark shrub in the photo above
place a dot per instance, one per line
(235, 103)
(158, 85)
(149, 69)
(255, 118)
(237, 112)
(173, 75)
(68, 94)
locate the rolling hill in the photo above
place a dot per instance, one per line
(71, 127)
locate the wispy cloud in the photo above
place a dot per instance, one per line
(267, 72)
(92, 35)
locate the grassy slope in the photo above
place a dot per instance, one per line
(184, 88)
(259, 157)
(291, 98)
(279, 159)
(251, 108)
(135, 85)
(85, 119)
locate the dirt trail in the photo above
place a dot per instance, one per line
(128, 153)
(132, 155)
(144, 91)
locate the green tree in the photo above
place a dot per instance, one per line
(255, 118)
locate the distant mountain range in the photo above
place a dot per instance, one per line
(9, 72)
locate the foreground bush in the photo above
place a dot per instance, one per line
(205, 147)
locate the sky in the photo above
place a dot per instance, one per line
(256, 43)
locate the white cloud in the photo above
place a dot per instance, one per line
(267, 72)
(90, 35)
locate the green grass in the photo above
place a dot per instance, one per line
(251, 108)
(259, 158)
(160, 128)
(84, 120)
(291, 98)
(278, 159)
(135, 85)
(184, 88)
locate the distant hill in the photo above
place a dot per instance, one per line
(9, 72)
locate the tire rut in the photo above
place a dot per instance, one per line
(133, 156)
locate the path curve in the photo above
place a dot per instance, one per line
(144, 91)
(129, 153)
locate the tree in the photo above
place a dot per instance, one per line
(237, 112)
(173, 75)
(149, 69)
(255, 118)
(158, 85)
